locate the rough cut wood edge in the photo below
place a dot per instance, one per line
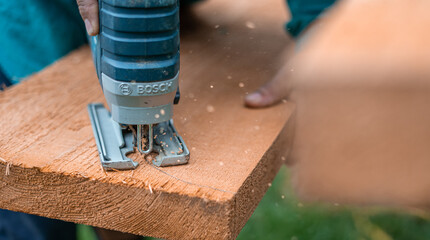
(50, 197)
(251, 192)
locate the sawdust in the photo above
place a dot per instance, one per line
(103, 169)
(114, 169)
(7, 173)
(210, 108)
(250, 25)
(8, 165)
(150, 188)
(132, 130)
(149, 158)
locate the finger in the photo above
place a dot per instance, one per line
(263, 97)
(89, 10)
(272, 92)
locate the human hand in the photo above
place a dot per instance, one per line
(89, 10)
(274, 91)
(280, 86)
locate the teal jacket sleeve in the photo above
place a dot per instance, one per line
(304, 12)
(34, 34)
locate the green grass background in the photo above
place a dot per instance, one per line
(280, 215)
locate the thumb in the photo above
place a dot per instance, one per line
(89, 10)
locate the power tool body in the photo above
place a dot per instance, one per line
(136, 55)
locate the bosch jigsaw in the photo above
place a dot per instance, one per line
(136, 55)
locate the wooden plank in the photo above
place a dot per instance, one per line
(49, 162)
(363, 98)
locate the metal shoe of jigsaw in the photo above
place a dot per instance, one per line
(136, 55)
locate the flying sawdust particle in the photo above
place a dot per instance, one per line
(210, 108)
(250, 25)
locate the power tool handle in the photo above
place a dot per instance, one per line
(138, 40)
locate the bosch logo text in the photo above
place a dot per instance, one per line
(154, 88)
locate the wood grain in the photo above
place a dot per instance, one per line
(49, 162)
(363, 98)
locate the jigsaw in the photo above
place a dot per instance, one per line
(136, 55)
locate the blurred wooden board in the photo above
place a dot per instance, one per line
(49, 162)
(362, 88)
